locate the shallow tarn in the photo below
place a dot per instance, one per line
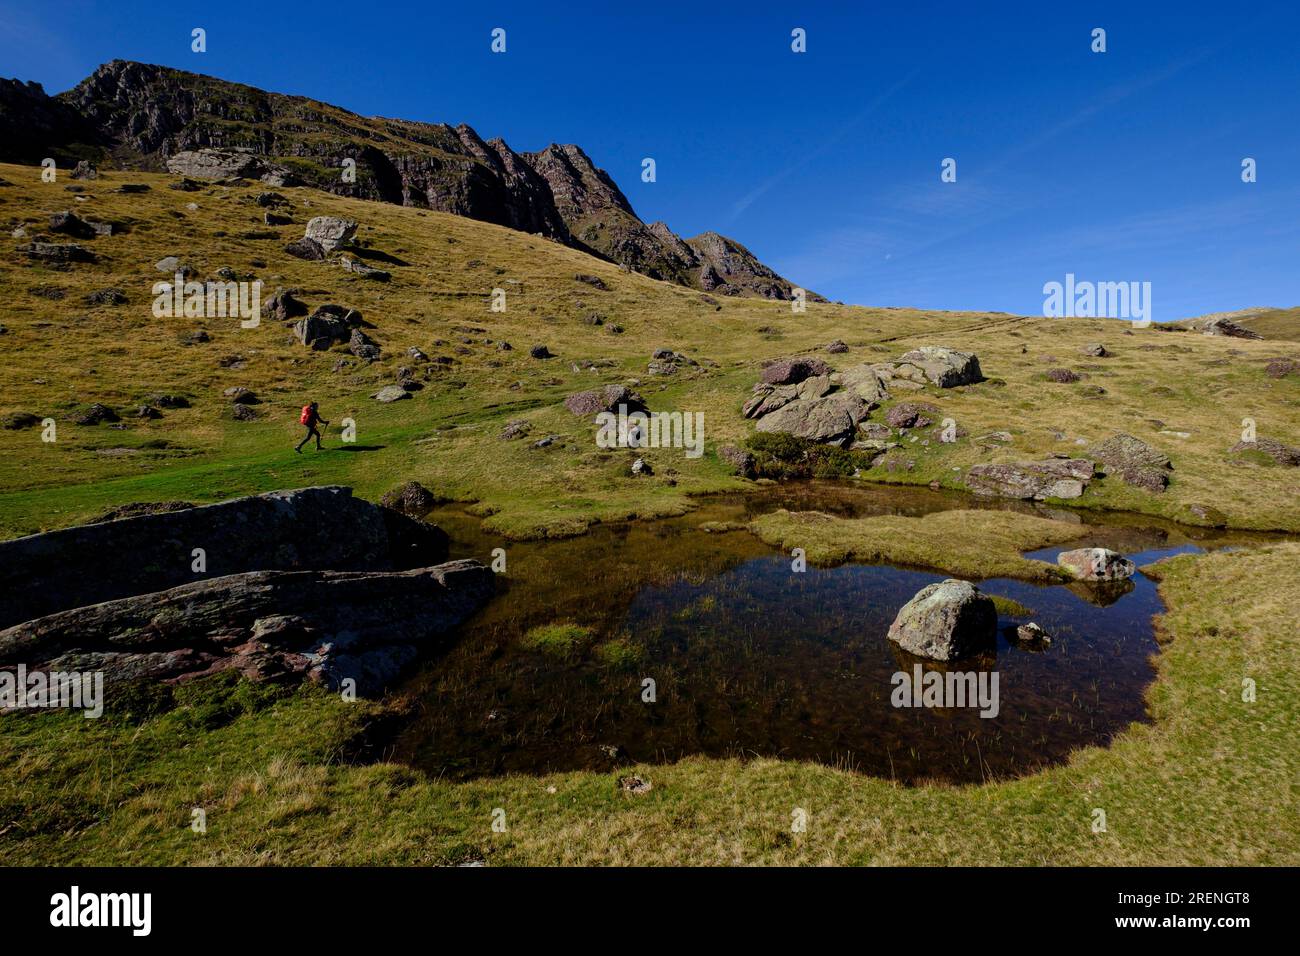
(750, 658)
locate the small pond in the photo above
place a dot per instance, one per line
(749, 658)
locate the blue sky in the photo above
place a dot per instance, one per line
(1117, 166)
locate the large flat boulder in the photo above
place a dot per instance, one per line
(943, 366)
(322, 528)
(326, 626)
(215, 164)
(830, 419)
(1053, 478)
(946, 621)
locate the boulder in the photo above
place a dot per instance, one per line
(327, 325)
(390, 393)
(325, 626)
(362, 346)
(308, 249)
(1136, 462)
(96, 414)
(70, 224)
(865, 381)
(1096, 564)
(739, 459)
(607, 399)
(946, 621)
(836, 347)
(911, 415)
(282, 306)
(85, 169)
(1031, 633)
(1063, 376)
(1225, 326)
(1096, 350)
(794, 371)
(310, 528)
(59, 253)
(1280, 453)
(945, 367)
(357, 267)
(541, 352)
(1053, 478)
(832, 419)
(330, 232)
(411, 498)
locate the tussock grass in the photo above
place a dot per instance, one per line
(968, 544)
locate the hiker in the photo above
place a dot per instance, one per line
(310, 417)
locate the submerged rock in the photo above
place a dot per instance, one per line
(946, 621)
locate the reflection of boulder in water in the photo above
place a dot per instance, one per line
(1102, 593)
(983, 660)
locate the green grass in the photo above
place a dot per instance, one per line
(968, 544)
(561, 638)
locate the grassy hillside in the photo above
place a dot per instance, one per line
(1186, 394)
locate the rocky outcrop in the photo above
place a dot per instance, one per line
(321, 528)
(794, 371)
(1136, 462)
(946, 621)
(1096, 564)
(326, 626)
(1053, 478)
(202, 128)
(831, 419)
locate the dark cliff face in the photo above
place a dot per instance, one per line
(136, 115)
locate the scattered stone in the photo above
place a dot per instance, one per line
(1031, 633)
(70, 224)
(1282, 367)
(106, 297)
(910, 415)
(362, 346)
(308, 249)
(1096, 564)
(172, 265)
(1136, 462)
(330, 232)
(1207, 515)
(642, 467)
(85, 169)
(327, 325)
(58, 253)
(540, 352)
(739, 459)
(241, 395)
(837, 347)
(147, 411)
(794, 371)
(15, 421)
(132, 189)
(275, 219)
(607, 399)
(635, 785)
(1096, 350)
(168, 401)
(411, 498)
(242, 413)
(1062, 375)
(390, 393)
(946, 621)
(357, 267)
(596, 282)
(1225, 326)
(195, 337)
(516, 428)
(96, 414)
(1280, 453)
(283, 306)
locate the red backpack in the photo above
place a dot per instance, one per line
(308, 416)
